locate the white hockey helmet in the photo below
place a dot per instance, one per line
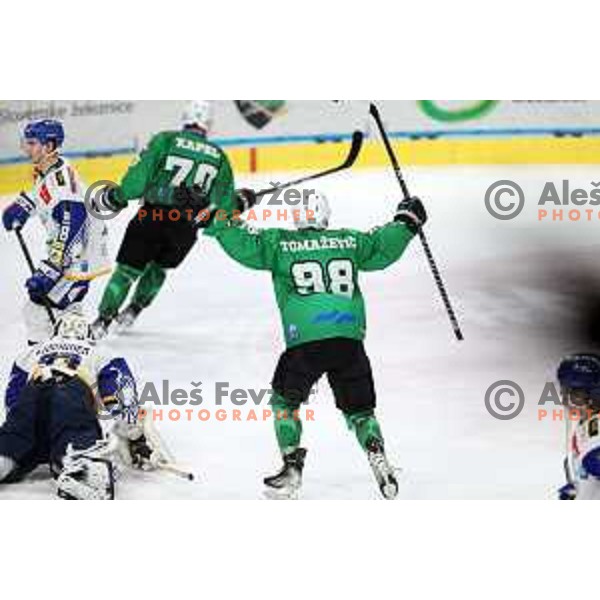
(73, 326)
(199, 113)
(314, 211)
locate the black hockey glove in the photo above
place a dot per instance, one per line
(195, 199)
(245, 198)
(412, 213)
(106, 201)
(190, 197)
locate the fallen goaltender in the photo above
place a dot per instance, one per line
(79, 413)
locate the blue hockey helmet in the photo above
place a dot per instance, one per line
(581, 372)
(44, 131)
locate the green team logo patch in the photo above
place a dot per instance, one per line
(452, 114)
(260, 113)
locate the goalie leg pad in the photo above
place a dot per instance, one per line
(86, 478)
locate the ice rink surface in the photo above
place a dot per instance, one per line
(217, 322)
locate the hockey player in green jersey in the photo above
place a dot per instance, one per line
(177, 174)
(315, 275)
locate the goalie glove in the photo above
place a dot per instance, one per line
(131, 445)
(138, 444)
(412, 213)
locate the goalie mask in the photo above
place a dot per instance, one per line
(314, 211)
(579, 378)
(73, 327)
(198, 113)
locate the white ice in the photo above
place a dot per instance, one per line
(216, 321)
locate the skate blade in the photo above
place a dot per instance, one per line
(389, 485)
(389, 490)
(122, 327)
(281, 494)
(100, 335)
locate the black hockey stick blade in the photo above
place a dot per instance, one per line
(31, 266)
(355, 147)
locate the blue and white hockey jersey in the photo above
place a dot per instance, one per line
(110, 380)
(77, 243)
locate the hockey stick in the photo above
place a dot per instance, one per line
(568, 461)
(355, 146)
(176, 470)
(430, 259)
(107, 448)
(167, 461)
(29, 260)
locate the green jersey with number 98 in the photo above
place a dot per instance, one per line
(173, 158)
(315, 272)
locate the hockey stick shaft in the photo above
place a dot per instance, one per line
(167, 461)
(355, 147)
(108, 448)
(568, 461)
(29, 261)
(176, 470)
(437, 276)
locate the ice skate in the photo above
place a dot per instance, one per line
(126, 319)
(384, 473)
(286, 484)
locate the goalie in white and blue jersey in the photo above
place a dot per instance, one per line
(55, 397)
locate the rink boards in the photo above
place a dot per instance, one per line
(305, 156)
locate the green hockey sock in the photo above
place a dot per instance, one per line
(117, 289)
(149, 285)
(365, 426)
(287, 428)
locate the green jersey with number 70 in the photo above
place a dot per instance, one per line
(173, 158)
(315, 272)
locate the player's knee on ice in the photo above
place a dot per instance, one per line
(7, 466)
(44, 421)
